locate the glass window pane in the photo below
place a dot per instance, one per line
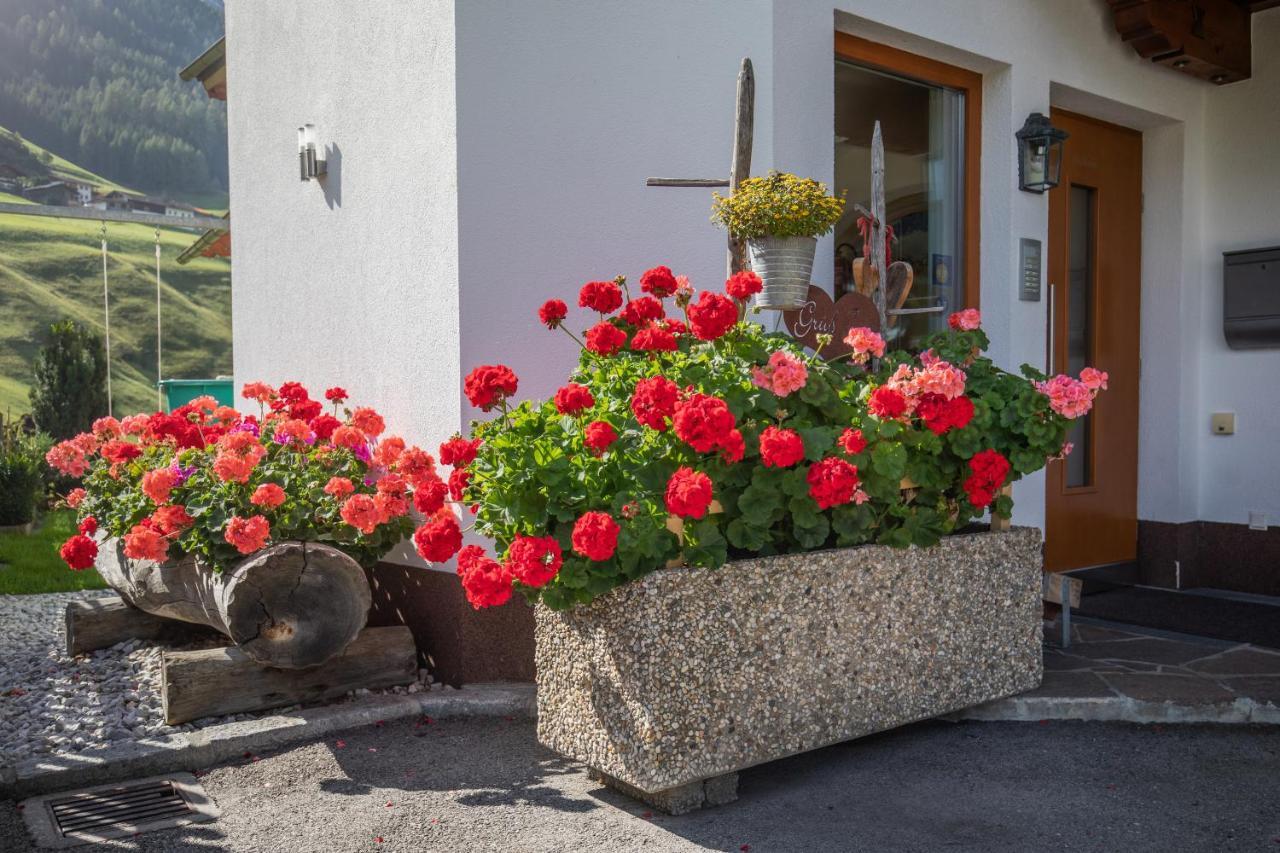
(923, 130)
(1080, 263)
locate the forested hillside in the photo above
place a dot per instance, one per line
(97, 82)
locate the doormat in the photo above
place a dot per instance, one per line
(92, 815)
(1187, 613)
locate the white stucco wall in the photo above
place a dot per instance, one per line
(538, 121)
(353, 279)
(1240, 473)
(564, 108)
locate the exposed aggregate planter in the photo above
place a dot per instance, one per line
(690, 674)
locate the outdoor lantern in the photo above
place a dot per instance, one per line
(309, 165)
(1039, 154)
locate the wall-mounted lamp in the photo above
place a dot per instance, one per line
(309, 164)
(1039, 154)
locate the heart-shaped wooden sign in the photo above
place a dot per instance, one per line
(821, 316)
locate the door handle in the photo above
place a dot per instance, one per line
(1053, 326)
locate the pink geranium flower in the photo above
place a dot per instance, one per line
(783, 375)
(865, 343)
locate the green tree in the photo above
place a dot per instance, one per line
(69, 390)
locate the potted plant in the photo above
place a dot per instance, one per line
(258, 525)
(824, 494)
(780, 217)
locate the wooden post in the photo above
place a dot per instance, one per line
(740, 168)
(875, 255)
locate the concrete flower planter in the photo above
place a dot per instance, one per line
(667, 686)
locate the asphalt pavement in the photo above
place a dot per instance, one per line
(485, 785)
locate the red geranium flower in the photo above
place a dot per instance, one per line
(989, 468)
(305, 410)
(780, 448)
(267, 495)
(429, 495)
(552, 313)
(654, 339)
(642, 310)
(489, 384)
(292, 392)
(336, 394)
(323, 426)
(712, 315)
(117, 451)
(361, 512)
(171, 518)
(659, 281)
(743, 285)
(248, 534)
(458, 451)
(940, 414)
(703, 422)
(598, 436)
(852, 442)
(486, 582)
(458, 483)
(604, 338)
(439, 538)
(534, 560)
(654, 401)
(688, 493)
(602, 296)
(89, 526)
(595, 535)
(573, 398)
(886, 403)
(832, 482)
(79, 552)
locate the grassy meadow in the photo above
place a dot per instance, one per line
(52, 268)
(30, 564)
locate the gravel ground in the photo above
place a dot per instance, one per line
(485, 785)
(52, 703)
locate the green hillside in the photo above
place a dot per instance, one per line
(97, 81)
(52, 268)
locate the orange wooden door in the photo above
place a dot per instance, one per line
(1095, 230)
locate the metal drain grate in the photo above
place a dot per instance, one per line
(117, 811)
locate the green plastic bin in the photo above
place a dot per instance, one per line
(179, 392)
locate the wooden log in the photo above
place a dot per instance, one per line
(291, 605)
(102, 622)
(740, 168)
(1051, 589)
(214, 682)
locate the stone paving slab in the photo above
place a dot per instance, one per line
(1124, 673)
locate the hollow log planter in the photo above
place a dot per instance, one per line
(292, 605)
(667, 686)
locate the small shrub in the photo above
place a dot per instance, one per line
(69, 389)
(21, 473)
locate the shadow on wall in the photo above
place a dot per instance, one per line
(332, 179)
(463, 645)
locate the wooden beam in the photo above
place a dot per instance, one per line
(93, 214)
(686, 182)
(102, 622)
(1051, 589)
(215, 682)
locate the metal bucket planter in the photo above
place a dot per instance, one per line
(667, 686)
(785, 265)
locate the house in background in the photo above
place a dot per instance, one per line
(484, 156)
(58, 193)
